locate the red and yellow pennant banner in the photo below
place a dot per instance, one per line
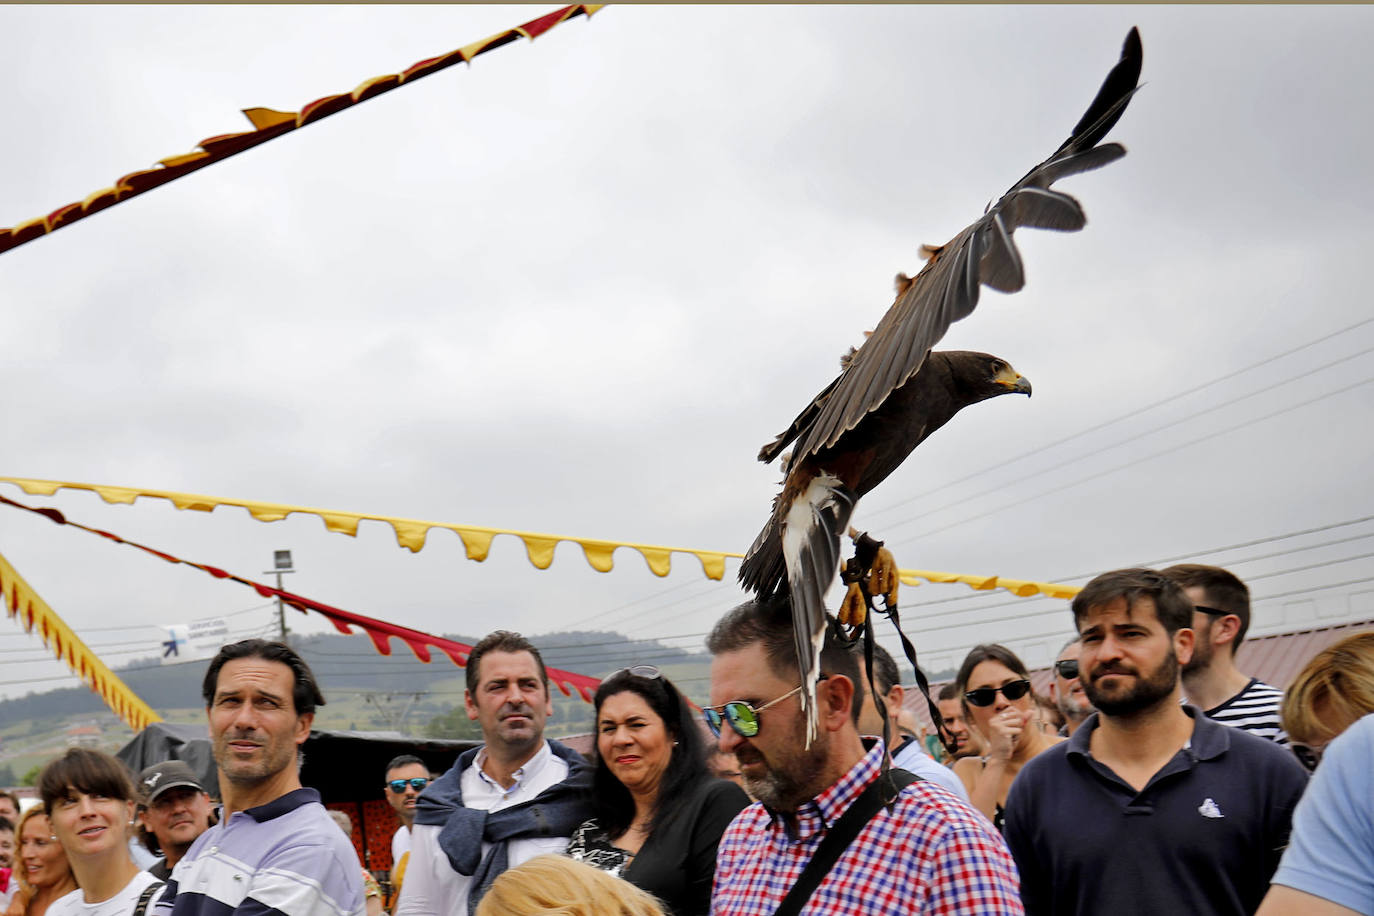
(269, 124)
(539, 547)
(33, 613)
(379, 631)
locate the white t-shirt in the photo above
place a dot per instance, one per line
(121, 904)
(400, 844)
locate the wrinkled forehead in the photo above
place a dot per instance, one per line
(36, 827)
(255, 675)
(508, 666)
(745, 674)
(1119, 611)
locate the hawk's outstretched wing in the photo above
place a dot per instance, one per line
(947, 288)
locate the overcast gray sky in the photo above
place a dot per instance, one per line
(573, 287)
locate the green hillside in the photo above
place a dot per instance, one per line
(365, 691)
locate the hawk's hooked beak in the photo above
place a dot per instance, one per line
(1015, 382)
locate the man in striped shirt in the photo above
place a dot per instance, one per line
(275, 850)
(1211, 680)
(926, 853)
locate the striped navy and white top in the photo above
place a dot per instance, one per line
(284, 858)
(1255, 710)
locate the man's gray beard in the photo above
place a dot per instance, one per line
(1071, 712)
(788, 784)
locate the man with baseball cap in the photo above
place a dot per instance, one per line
(174, 810)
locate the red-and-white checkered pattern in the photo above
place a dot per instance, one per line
(929, 853)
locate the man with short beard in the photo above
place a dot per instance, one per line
(275, 850)
(517, 796)
(923, 852)
(1211, 680)
(1170, 812)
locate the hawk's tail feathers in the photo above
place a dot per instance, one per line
(763, 571)
(811, 550)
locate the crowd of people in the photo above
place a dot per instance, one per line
(1155, 777)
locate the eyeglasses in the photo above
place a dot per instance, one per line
(1309, 757)
(1067, 668)
(644, 671)
(399, 785)
(743, 717)
(986, 696)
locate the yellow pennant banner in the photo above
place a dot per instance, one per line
(539, 547)
(33, 613)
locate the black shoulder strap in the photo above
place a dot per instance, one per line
(880, 792)
(146, 897)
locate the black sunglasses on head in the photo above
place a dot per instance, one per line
(986, 696)
(1067, 668)
(1211, 611)
(399, 785)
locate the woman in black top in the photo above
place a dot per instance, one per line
(659, 812)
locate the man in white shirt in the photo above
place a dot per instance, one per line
(504, 803)
(907, 752)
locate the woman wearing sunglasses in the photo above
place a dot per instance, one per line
(996, 691)
(659, 812)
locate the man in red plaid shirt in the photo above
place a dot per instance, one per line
(926, 853)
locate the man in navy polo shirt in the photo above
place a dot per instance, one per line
(1151, 807)
(274, 850)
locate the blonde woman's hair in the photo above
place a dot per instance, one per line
(558, 886)
(1332, 692)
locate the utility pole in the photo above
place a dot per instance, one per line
(281, 561)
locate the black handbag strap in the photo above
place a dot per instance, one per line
(146, 897)
(880, 792)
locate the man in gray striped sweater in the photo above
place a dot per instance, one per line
(1211, 680)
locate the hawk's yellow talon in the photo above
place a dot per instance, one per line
(853, 610)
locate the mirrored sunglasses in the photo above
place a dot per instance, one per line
(1067, 669)
(743, 717)
(399, 785)
(986, 696)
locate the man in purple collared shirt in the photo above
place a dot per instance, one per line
(275, 850)
(926, 853)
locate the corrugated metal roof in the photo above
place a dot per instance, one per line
(1277, 659)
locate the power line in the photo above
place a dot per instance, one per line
(1191, 555)
(1136, 436)
(1135, 413)
(1121, 467)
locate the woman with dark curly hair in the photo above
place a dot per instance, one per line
(659, 811)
